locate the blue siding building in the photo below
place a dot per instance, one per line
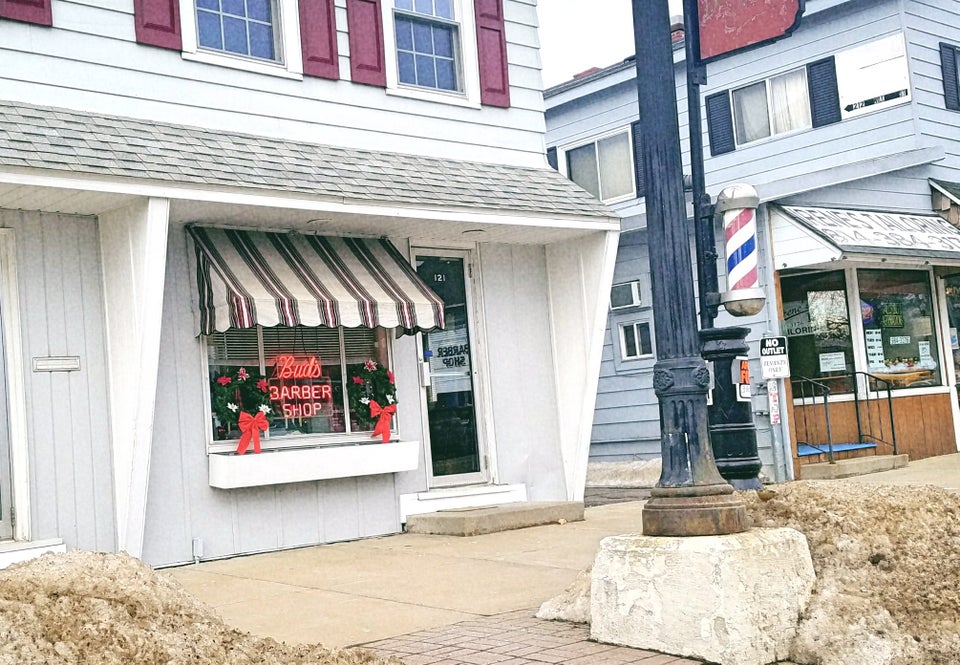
(848, 130)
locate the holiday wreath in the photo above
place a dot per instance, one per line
(373, 397)
(238, 392)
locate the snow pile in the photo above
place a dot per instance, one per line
(888, 570)
(111, 609)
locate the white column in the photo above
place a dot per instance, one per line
(133, 242)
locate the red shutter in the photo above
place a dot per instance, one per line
(492, 53)
(158, 23)
(29, 11)
(365, 26)
(318, 39)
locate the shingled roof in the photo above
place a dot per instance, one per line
(66, 140)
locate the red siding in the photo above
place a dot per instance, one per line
(366, 42)
(158, 23)
(492, 53)
(318, 38)
(29, 11)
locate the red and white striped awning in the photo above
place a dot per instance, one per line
(248, 278)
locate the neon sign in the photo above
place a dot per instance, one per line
(298, 388)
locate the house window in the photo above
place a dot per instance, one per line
(777, 105)
(301, 377)
(240, 27)
(428, 44)
(635, 340)
(603, 167)
(625, 295)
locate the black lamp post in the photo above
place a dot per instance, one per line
(733, 434)
(691, 498)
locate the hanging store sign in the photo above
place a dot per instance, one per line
(873, 76)
(731, 26)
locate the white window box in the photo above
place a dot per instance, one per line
(275, 467)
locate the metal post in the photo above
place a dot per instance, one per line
(733, 441)
(691, 498)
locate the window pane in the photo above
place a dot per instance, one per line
(446, 74)
(361, 346)
(423, 7)
(233, 7)
(817, 323)
(621, 295)
(209, 4)
(422, 38)
(646, 348)
(235, 35)
(444, 9)
(404, 4)
(790, 102)
(259, 10)
(443, 41)
(629, 341)
(261, 41)
(407, 68)
(616, 178)
(426, 76)
(582, 168)
(404, 34)
(898, 327)
(750, 116)
(208, 30)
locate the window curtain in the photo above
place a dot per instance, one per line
(750, 114)
(791, 105)
(616, 178)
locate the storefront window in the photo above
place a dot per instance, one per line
(296, 376)
(818, 328)
(898, 327)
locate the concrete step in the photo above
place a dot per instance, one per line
(490, 519)
(856, 466)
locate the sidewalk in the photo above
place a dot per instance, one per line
(444, 600)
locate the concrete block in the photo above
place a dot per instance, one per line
(855, 466)
(490, 519)
(733, 600)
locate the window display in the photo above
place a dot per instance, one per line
(295, 377)
(898, 327)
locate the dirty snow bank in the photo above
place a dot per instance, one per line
(111, 609)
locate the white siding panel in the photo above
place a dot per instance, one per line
(90, 61)
(62, 314)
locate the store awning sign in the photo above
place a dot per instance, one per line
(887, 233)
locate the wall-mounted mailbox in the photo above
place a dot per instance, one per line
(56, 364)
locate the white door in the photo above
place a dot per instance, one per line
(455, 436)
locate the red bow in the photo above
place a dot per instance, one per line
(383, 424)
(251, 426)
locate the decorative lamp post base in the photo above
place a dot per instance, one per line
(700, 510)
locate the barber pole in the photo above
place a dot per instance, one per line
(738, 206)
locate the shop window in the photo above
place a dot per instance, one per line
(625, 295)
(635, 340)
(898, 327)
(603, 167)
(818, 327)
(776, 106)
(306, 380)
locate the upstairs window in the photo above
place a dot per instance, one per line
(625, 295)
(604, 166)
(428, 44)
(635, 340)
(775, 106)
(240, 27)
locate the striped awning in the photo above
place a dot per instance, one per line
(249, 278)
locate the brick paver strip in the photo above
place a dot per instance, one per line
(514, 638)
